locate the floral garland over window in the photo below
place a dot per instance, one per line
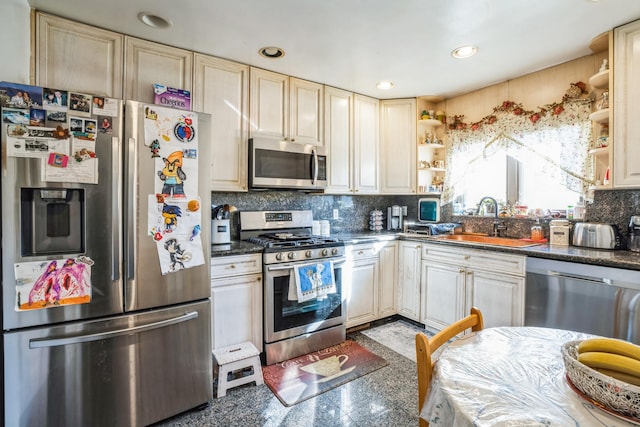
(558, 133)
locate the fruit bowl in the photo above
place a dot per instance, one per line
(619, 396)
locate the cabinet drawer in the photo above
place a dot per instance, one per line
(235, 265)
(367, 250)
(476, 259)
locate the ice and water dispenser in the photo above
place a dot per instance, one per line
(52, 221)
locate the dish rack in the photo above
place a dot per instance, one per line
(618, 396)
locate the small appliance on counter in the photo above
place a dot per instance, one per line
(633, 241)
(598, 236)
(220, 231)
(429, 210)
(395, 216)
(559, 230)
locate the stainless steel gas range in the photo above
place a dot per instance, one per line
(295, 324)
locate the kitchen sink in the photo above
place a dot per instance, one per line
(486, 240)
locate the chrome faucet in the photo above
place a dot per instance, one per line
(498, 224)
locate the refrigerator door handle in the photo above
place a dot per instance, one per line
(115, 210)
(132, 208)
(54, 342)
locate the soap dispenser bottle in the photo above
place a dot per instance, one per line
(536, 231)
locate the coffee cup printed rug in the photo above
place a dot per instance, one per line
(303, 377)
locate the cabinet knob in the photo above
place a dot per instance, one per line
(259, 279)
(360, 252)
(293, 140)
(461, 270)
(466, 257)
(232, 266)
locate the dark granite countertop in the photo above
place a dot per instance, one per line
(608, 258)
(236, 247)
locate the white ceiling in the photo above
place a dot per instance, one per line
(353, 44)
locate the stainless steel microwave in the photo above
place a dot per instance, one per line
(286, 165)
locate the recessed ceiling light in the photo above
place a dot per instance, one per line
(154, 21)
(385, 85)
(464, 51)
(271, 52)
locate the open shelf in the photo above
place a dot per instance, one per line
(600, 80)
(600, 116)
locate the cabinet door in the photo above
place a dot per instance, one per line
(626, 91)
(362, 296)
(409, 254)
(269, 109)
(397, 146)
(147, 63)
(222, 90)
(338, 136)
(443, 298)
(306, 112)
(78, 57)
(365, 145)
(500, 298)
(387, 287)
(236, 310)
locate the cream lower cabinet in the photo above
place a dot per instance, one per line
(222, 90)
(455, 279)
(236, 300)
(409, 259)
(369, 279)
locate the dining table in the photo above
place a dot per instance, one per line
(511, 376)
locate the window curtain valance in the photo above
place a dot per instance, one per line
(558, 135)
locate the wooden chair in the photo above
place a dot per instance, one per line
(426, 347)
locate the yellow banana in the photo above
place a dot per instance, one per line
(614, 362)
(610, 345)
(631, 379)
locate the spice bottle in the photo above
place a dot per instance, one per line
(536, 231)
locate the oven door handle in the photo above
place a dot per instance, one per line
(336, 262)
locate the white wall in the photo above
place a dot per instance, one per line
(14, 41)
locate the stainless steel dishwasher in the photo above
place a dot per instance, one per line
(581, 297)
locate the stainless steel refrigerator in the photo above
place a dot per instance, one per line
(140, 350)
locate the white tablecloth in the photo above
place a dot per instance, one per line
(509, 377)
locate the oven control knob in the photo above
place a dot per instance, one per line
(291, 255)
(325, 252)
(280, 256)
(334, 251)
(308, 254)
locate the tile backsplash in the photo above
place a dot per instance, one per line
(614, 207)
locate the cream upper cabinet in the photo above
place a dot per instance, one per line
(338, 138)
(397, 146)
(222, 90)
(626, 92)
(285, 108)
(147, 63)
(306, 115)
(74, 56)
(365, 145)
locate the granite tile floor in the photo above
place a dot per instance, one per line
(386, 397)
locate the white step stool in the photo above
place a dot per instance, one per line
(234, 358)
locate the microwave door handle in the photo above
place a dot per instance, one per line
(315, 167)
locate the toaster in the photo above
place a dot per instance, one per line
(599, 236)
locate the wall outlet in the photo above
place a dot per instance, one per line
(336, 214)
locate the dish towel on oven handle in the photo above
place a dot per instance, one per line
(312, 281)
